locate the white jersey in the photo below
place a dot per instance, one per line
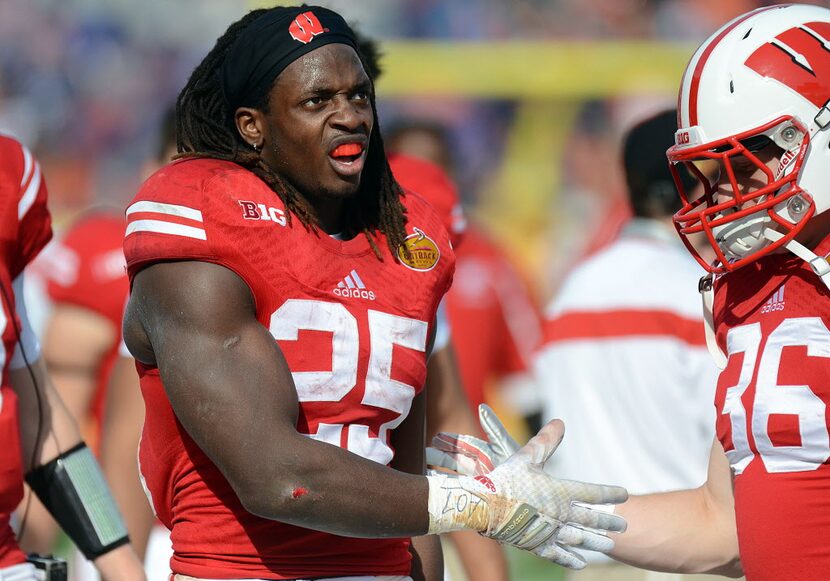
(625, 365)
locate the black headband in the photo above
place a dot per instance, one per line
(272, 42)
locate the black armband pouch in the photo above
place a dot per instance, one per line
(74, 491)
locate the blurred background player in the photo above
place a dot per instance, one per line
(495, 322)
(123, 419)
(447, 404)
(624, 361)
(88, 291)
(82, 333)
(41, 438)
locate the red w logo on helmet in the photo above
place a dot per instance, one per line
(798, 58)
(305, 27)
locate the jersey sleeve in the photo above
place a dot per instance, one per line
(185, 212)
(93, 275)
(27, 348)
(34, 221)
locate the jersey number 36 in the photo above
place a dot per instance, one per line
(772, 398)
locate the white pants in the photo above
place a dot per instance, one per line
(358, 578)
(22, 572)
(158, 553)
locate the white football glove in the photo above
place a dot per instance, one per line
(473, 456)
(521, 505)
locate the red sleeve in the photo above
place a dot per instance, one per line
(520, 317)
(93, 273)
(34, 222)
(189, 210)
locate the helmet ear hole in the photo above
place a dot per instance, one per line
(787, 137)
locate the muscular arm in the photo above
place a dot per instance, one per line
(690, 531)
(449, 411)
(123, 419)
(230, 387)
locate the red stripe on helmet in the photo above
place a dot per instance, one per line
(705, 56)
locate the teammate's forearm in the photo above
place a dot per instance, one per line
(427, 559)
(483, 559)
(120, 564)
(677, 532)
(46, 427)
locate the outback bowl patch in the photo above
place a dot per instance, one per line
(423, 251)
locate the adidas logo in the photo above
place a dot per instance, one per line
(775, 302)
(352, 286)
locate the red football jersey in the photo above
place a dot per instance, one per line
(495, 324)
(772, 318)
(353, 329)
(93, 276)
(25, 228)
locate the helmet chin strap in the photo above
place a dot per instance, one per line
(706, 286)
(819, 265)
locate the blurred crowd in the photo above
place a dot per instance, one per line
(84, 82)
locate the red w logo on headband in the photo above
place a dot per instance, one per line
(305, 27)
(798, 58)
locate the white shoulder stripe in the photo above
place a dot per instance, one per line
(27, 166)
(30, 195)
(170, 209)
(161, 227)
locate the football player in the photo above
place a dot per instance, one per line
(754, 127)
(41, 439)
(282, 307)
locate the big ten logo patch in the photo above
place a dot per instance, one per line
(305, 27)
(254, 211)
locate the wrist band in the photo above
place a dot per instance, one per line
(456, 503)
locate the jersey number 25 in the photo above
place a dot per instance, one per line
(382, 391)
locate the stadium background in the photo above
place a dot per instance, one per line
(534, 95)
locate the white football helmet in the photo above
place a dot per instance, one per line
(763, 78)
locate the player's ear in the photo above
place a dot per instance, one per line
(250, 123)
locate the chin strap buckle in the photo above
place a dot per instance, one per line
(822, 118)
(821, 267)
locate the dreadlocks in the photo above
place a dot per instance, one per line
(205, 128)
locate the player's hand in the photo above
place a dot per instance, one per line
(473, 456)
(521, 505)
